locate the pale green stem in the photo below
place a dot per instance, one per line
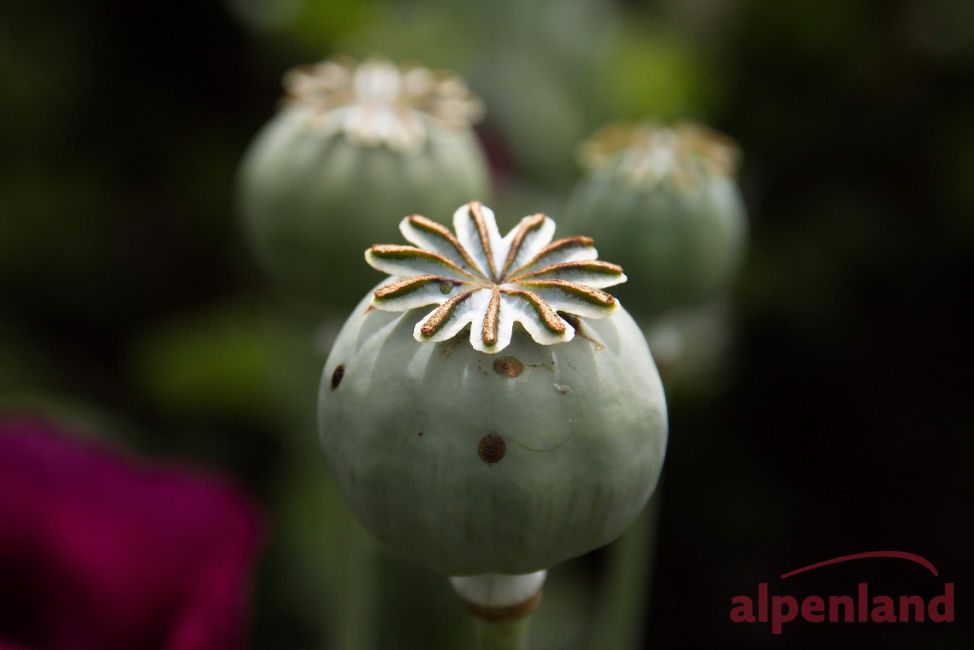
(621, 610)
(502, 635)
(506, 602)
(356, 627)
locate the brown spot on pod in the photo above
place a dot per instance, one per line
(491, 448)
(508, 366)
(336, 377)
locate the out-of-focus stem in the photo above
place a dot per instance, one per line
(502, 635)
(356, 625)
(619, 616)
(501, 607)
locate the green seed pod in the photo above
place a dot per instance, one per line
(692, 349)
(532, 444)
(665, 202)
(350, 146)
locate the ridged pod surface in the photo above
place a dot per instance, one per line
(472, 463)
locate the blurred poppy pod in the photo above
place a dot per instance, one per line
(351, 145)
(692, 348)
(664, 201)
(490, 408)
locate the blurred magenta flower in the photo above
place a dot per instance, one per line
(99, 551)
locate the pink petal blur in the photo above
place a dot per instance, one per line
(98, 550)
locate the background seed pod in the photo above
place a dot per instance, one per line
(312, 202)
(693, 348)
(470, 463)
(680, 234)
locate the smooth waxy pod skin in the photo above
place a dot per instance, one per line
(504, 462)
(327, 176)
(471, 463)
(666, 203)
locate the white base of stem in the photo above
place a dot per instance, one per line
(497, 590)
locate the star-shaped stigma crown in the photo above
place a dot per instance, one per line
(476, 277)
(377, 102)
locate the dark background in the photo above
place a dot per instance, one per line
(129, 301)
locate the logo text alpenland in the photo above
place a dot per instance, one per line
(858, 606)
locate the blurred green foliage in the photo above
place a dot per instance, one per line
(236, 362)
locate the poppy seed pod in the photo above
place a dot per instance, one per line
(350, 145)
(489, 409)
(665, 202)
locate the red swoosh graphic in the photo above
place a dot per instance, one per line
(903, 555)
